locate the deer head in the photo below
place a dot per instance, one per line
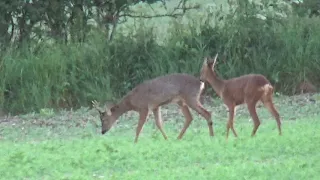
(107, 117)
(207, 68)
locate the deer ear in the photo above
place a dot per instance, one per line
(205, 61)
(111, 108)
(108, 111)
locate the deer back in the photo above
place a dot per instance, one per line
(238, 88)
(165, 89)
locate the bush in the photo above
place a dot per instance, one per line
(285, 50)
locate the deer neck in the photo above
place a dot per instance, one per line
(216, 83)
(123, 107)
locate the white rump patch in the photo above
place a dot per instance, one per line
(266, 88)
(201, 86)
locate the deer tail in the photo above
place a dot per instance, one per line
(267, 92)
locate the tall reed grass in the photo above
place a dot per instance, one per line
(286, 50)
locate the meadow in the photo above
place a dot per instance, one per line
(68, 145)
(50, 132)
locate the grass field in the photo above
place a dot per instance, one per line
(68, 145)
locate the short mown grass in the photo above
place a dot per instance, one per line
(68, 145)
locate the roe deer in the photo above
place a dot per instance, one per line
(247, 89)
(182, 89)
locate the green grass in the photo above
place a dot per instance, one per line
(68, 145)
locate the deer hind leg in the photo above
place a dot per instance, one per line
(197, 106)
(251, 100)
(230, 122)
(268, 103)
(188, 118)
(158, 119)
(142, 119)
(255, 118)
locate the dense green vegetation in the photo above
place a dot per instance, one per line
(68, 65)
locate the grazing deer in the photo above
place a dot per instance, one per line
(247, 89)
(182, 89)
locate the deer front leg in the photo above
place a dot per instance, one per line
(196, 105)
(158, 119)
(230, 123)
(188, 118)
(142, 119)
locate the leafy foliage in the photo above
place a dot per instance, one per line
(309, 8)
(68, 54)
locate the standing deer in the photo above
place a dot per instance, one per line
(182, 89)
(247, 89)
